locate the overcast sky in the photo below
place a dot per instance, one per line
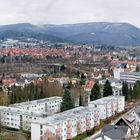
(69, 11)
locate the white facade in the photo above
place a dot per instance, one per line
(66, 125)
(50, 105)
(117, 71)
(18, 119)
(30, 75)
(20, 116)
(108, 106)
(130, 77)
(117, 89)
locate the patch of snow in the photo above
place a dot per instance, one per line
(107, 27)
(93, 34)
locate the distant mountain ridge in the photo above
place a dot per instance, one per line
(93, 33)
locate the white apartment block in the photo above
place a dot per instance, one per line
(130, 77)
(108, 106)
(65, 125)
(50, 105)
(20, 116)
(19, 119)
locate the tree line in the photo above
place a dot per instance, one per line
(129, 92)
(96, 91)
(34, 91)
(38, 91)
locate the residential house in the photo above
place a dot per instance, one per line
(114, 132)
(129, 120)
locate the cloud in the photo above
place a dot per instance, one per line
(69, 11)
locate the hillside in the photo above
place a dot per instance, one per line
(94, 33)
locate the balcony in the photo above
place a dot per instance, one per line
(69, 131)
(88, 118)
(69, 136)
(96, 115)
(68, 125)
(58, 130)
(79, 121)
(88, 123)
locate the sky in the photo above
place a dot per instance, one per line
(69, 11)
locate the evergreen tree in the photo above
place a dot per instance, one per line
(31, 90)
(13, 95)
(137, 68)
(78, 74)
(107, 89)
(62, 68)
(130, 92)
(136, 90)
(69, 85)
(95, 92)
(42, 94)
(36, 93)
(83, 79)
(80, 100)
(67, 102)
(125, 90)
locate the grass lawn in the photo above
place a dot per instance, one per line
(12, 136)
(8, 137)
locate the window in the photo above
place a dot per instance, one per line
(41, 132)
(41, 126)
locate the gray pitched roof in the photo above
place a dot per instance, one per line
(115, 132)
(137, 110)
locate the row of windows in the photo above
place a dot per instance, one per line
(13, 119)
(52, 102)
(10, 124)
(6, 113)
(10, 119)
(52, 106)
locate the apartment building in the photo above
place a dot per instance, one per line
(130, 77)
(108, 106)
(50, 105)
(20, 116)
(19, 119)
(65, 125)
